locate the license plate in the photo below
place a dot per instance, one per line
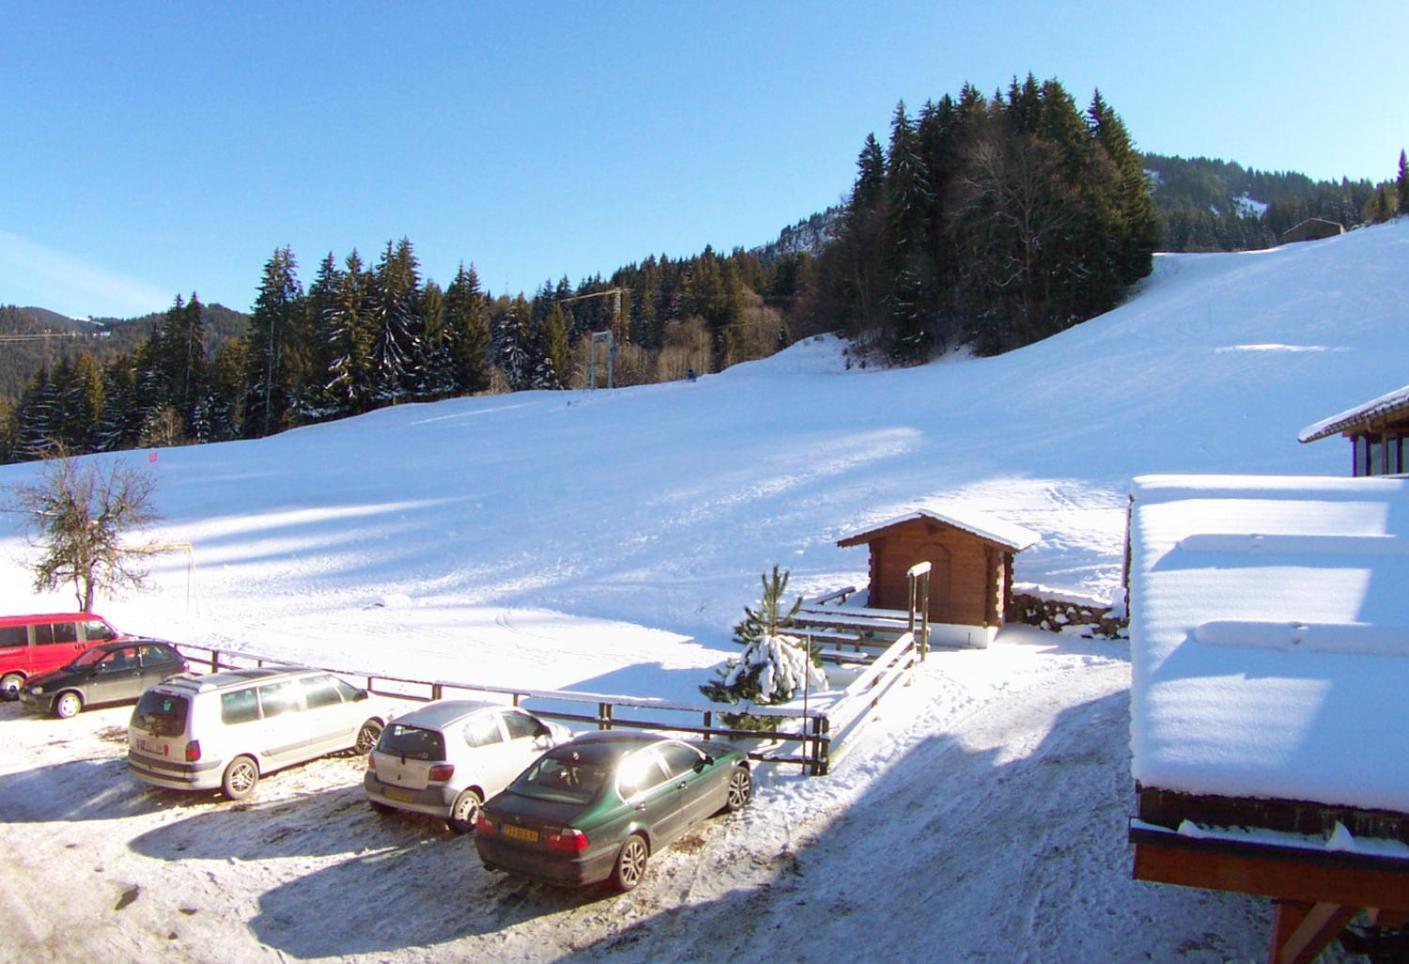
(521, 833)
(400, 795)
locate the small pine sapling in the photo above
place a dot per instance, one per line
(765, 620)
(773, 668)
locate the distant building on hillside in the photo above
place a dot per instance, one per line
(1378, 431)
(1269, 661)
(971, 569)
(1312, 229)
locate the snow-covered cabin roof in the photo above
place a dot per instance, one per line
(1270, 637)
(1390, 405)
(980, 524)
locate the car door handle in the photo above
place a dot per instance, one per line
(641, 805)
(681, 785)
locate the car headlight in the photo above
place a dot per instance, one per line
(37, 690)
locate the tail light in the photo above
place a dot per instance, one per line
(193, 751)
(568, 840)
(483, 825)
(441, 772)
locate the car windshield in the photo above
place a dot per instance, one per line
(411, 743)
(161, 714)
(568, 779)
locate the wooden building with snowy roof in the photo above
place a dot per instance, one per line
(971, 574)
(1378, 431)
(1269, 647)
(1312, 229)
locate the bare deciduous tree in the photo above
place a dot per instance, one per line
(78, 515)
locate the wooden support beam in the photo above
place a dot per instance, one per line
(1277, 872)
(1387, 918)
(1301, 931)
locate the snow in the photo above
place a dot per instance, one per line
(1389, 402)
(607, 541)
(1268, 635)
(970, 520)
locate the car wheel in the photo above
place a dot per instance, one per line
(10, 685)
(630, 863)
(368, 736)
(67, 705)
(380, 807)
(464, 811)
(740, 790)
(240, 779)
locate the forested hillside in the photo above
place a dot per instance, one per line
(1212, 205)
(991, 222)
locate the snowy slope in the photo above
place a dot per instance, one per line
(607, 541)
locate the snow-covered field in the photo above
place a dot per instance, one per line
(606, 542)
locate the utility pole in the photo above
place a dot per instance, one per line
(600, 337)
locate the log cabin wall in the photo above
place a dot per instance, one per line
(966, 580)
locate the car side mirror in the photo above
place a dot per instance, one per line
(705, 761)
(361, 695)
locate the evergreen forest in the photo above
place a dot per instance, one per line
(985, 221)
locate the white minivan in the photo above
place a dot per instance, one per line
(228, 729)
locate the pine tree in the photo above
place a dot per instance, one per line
(554, 368)
(397, 325)
(349, 334)
(513, 352)
(467, 330)
(119, 423)
(437, 375)
(1402, 184)
(277, 309)
(320, 310)
(34, 434)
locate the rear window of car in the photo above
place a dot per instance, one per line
(14, 635)
(239, 706)
(411, 742)
(566, 780)
(161, 714)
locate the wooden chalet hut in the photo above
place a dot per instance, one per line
(1270, 661)
(1378, 431)
(1312, 229)
(971, 575)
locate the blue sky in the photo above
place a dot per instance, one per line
(151, 149)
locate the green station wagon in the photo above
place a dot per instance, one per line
(596, 808)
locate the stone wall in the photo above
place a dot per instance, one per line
(1059, 615)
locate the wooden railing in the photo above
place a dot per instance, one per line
(811, 732)
(866, 691)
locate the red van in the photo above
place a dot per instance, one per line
(45, 642)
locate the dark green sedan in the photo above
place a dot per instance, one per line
(596, 808)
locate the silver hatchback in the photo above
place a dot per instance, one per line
(446, 758)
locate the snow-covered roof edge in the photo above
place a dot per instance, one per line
(1390, 403)
(1006, 534)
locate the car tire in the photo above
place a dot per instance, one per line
(10, 685)
(68, 704)
(240, 778)
(464, 811)
(368, 736)
(630, 864)
(380, 807)
(740, 790)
